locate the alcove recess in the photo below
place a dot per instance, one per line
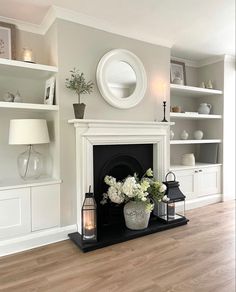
(29, 79)
(189, 97)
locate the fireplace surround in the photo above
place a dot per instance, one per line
(90, 137)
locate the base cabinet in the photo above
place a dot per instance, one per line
(14, 213)
(198, 182)
(24, 210)
(45, 204)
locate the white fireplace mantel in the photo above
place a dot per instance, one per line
(108, 132)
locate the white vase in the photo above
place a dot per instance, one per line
(188, 159)
(136, 215)
(198, 135)
(184, 135)
(204, 108)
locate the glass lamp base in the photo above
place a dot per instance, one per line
(30, 164)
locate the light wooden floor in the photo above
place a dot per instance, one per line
(197, 257)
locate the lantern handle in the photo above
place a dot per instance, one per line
(170, 172)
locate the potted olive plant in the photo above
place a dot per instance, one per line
(77, 83)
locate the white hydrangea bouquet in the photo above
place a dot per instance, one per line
(134, 189)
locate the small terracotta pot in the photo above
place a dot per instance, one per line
(79, 109)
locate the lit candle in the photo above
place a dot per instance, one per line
(27, 55)
(89, 225)
(171, 210)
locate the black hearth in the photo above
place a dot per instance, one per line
(118, 161)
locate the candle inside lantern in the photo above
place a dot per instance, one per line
(27, 55)
(171, 210)
(89, 224)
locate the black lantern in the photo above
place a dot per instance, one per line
(89, 218)
(173, 209)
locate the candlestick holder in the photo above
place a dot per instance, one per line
(164, 109)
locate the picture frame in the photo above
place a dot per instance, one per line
(7, 40)
(49, 91)
(177, 72)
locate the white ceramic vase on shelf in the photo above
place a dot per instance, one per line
(172, 134)
(184, 135)
(198, 135)
(188, 159)
(204, 108)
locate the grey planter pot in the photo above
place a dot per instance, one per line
(136, 216)
(79, 109)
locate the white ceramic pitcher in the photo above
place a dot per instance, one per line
(204, 108)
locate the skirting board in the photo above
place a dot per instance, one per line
(35, 239)
(203, 201)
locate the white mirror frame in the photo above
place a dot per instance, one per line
(141, 78)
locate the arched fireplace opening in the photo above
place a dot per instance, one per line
(118, 161)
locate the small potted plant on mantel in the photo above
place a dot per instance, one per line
(77, 83)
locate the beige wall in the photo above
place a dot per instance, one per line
(82, 47)
(32, 41)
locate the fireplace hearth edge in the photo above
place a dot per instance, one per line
(113, 236)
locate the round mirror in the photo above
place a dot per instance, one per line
(121, 79)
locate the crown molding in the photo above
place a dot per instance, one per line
(200, 63)
(187, 62)
(56, 12)
(100, 24)
(210, 61)
(21, 25)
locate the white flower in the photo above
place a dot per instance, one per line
(144, 185)
(129, 187)
(162, 188)
(149, 172)
(165, 199)
(114, 196)
(109, 180)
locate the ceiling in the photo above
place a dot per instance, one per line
(194, 29)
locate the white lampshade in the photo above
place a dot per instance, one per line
(28, 132)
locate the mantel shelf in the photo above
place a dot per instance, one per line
(193, 116)
(203, 141)
(29, 70)
(191, 91)
(28, 106)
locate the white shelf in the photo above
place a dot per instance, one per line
(20, 183)
(26, 70)
(191, 91)
(203, 141)
(193, 116)
(197, 165)
(30, 106)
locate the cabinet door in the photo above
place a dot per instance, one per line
(45, 202)
(186, 181)
(208, 181)
(14, 212)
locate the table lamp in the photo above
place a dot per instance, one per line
(29, 132)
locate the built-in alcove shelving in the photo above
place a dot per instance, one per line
(201, 182)
(30, 80)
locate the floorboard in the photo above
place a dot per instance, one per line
(196, 257)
